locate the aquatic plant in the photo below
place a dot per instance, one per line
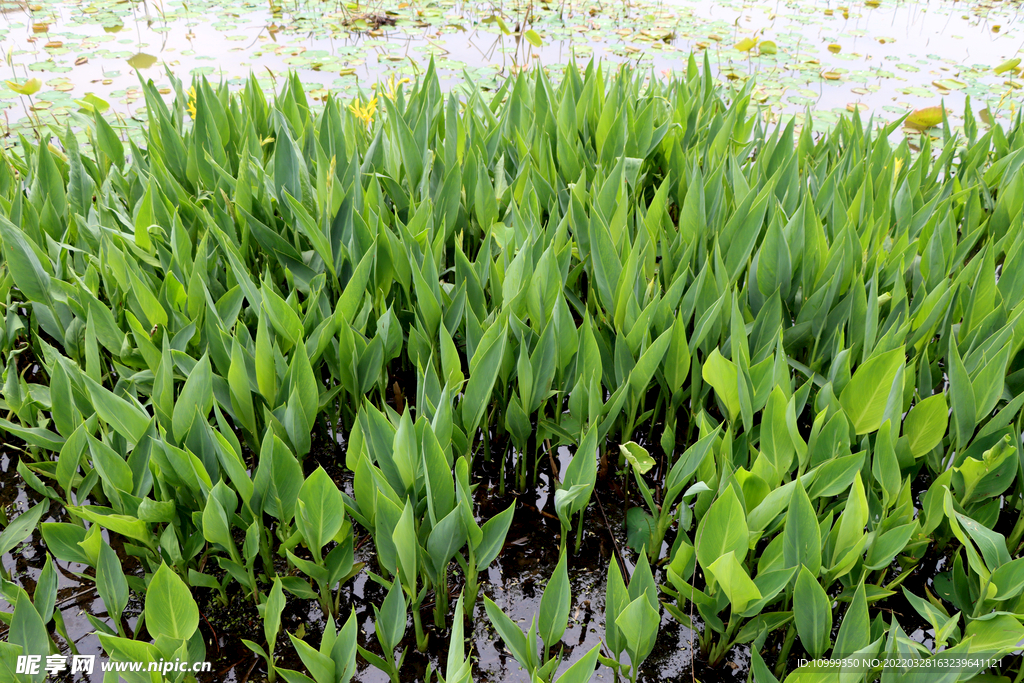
(273, 332)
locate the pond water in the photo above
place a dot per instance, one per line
(882, 56)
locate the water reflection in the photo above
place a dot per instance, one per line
(883, 57)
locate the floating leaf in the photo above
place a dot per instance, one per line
(141, 60)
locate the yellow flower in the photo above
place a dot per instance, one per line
(392, 88)
(191, 102)
(896, 168)
(364, 112)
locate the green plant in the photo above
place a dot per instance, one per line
(390, 629)
(632, 616)
(811, 345)
(549, 626)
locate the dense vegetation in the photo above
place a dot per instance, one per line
(803, 356)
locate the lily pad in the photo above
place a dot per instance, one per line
(640, 528)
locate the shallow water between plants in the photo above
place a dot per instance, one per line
(883, 57)
(515, 581)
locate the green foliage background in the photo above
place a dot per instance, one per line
(817, 338)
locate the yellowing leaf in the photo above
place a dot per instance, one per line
(637, 456)
(746, 44)
(835, 48)
(29, 87)
(923, 119)
(1008, 65)
(534, 38)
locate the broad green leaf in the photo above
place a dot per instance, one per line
(555, 603)
(170, 609)
(723, 529)
(29, 87)
(391, 617)
(865, 396)
(638, 622)
(922, 119)
(112, 584)
(407, 547)
(582, 670)
(801, 538)
(722, 375)
(855, 629)
(320, 510)
(734, 581)
(483, 373)
(962, 397)
(494, 531)
(814, 616)
(22, 526)
(272, 614)
(24, 264)
(28, 631)
(925, 424)
(1008, 65)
